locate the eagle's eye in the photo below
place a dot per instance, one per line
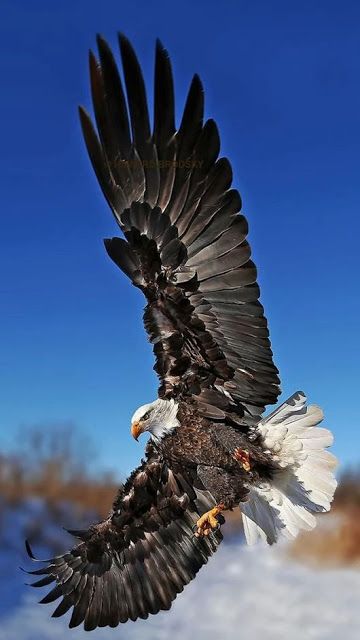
(146, 415)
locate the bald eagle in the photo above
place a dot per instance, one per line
(210, 448)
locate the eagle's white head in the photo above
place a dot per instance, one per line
(158, 418)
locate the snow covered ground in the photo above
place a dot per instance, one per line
(253, 593)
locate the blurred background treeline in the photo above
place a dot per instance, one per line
(55, 464)
(50, 480)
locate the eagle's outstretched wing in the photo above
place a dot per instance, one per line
(139, 559)
(185, 242)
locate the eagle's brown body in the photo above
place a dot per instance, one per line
(207, 447)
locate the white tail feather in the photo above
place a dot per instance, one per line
(304, 483)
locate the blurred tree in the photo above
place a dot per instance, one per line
(55, 463)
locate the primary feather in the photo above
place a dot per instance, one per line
(137, 560)
(186, 241)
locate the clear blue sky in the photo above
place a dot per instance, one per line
(282, 80)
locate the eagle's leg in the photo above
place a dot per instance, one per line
(243, 457)
(209, 521)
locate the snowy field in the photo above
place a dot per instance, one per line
(253, 593)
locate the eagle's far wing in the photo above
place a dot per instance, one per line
(138, 560)
(185, 242)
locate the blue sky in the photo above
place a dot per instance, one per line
(282, 82)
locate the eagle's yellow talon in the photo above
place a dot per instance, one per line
(208, 521)
(243, 457)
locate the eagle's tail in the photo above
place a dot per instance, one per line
(304, 482)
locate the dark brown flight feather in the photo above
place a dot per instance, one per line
(171, 196)
(138, 560)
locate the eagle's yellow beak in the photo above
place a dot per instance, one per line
(136, 429)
